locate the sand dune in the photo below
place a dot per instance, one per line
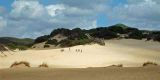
(109, 73)
(130, 53)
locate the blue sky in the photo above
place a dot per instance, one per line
(32, 18)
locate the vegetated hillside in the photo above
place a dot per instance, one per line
(65, 37)
(14, 43)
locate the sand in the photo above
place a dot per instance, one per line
(90, 64)
(130, 53)
(109, 73)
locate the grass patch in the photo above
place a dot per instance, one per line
(19, 63)
(118, 65)
(44, 65)
(149, 63)
(46, 46)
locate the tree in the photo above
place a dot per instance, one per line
(41, 39)
(136, 34)
(118, 28)
(62, 31)
(52, 42)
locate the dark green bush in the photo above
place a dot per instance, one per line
(118, 28)
(12, 46)
(129, 29)
(27, 64)
(136, 35)
(77, 33)
(22, 47)
(149, 63)
(52, 42)
(46, 46)
(66, 43)
(63, 31)
(84, 41)
(157, 37)
(41, 39)
(104, 33)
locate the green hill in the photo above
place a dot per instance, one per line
(71, 37)
(14, 43)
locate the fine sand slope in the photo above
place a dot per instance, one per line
(130, 53)
(108, 73)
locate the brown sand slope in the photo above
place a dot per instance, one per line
(109, 73)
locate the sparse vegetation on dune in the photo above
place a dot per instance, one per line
(46, 46)
(43, 65)
(52, 42)
(78, 36)
(41, 39)
(149, 63)
(16, 43)
(118, 65)
(15, 64)
(69, 43)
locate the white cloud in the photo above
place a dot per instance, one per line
(29, 18)
(54, 9)
(3, 23)
(84, 4)
(27, 9)
(138, 13)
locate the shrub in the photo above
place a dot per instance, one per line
(41, 39)
(19, 63)
(129, 29)
(136, 34)
(62, 50)
(149, 63)
(84, 41)
(103, 33)
(65, 43)
(46, 46)
(22, 47)
(62, 31)
(77, 33)
(52, 42)
(45, 65)
(119, 65)
(12, 46)
(118, 28)
(157, 37)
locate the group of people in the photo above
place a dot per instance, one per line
(77, 50)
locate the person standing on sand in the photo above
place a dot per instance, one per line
(76, 50)
(69, 48)
(62, 50)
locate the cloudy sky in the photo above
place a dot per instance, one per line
(32, 18)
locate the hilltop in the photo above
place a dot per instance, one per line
(62, 37)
